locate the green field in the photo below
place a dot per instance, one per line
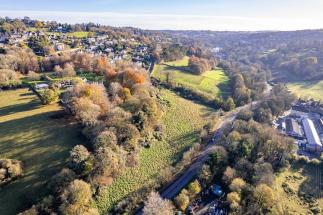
(29, 134)
(306, 90)
(182, 120)
(300, 179)
(214, 83)
(79, 34)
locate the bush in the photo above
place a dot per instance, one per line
(200, 65)
(233, 197)
(303, 159)
(87, 111)
(155, 205)
(67, 71)
(205, 175)
(33, 76)
(228, 104)
(76, 199)
(50, 96)
(10, 169)
(237, 185)
(194, 188)
(105, 139)
(264, 197)
(182, 200)
(9, 78)
(315, 162)
(61, 180)
(78, 156)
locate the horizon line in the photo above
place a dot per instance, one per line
(177, 21)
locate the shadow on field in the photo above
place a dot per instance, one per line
(176, 143)
(185, 69)
(43, 145)
(11, 109)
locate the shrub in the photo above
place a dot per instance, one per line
(50, 96)
(237, 185)
(205, 175)
(9, 78)
(76, 199)
(264, 197)
(315, 162)
(182, 200)
(303, 159)
(79, 154)
(229, 174)
(61, 180)
(228, 104)
(105, 139)
(245, 115)
(194, 188)
(108, 163)
(167, 174)
(67, 71)
(10, 169)
(155, 205)
(33, 76)
(87, 111)
(233, 197)
(200, 65)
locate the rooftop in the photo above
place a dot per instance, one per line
(311, 133)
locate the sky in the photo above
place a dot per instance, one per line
(235, 15)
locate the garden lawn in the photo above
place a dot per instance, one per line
(182, 121)
(215, 83)
(306, 179)
(29, 134)
(308, 89)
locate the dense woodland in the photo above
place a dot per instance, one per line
(249, 154)
(287, 56)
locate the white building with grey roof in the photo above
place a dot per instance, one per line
(313, 139)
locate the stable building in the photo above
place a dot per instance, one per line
(313, 139)
(293, 128)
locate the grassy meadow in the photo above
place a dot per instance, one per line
(182, 120)
(308, 89)
(300, 180)
(28, 133)
(79, 34)
(214, 82)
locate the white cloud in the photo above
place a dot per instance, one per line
(176, 22)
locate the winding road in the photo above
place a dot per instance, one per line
(192, 171)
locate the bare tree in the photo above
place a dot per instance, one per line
(155, 205)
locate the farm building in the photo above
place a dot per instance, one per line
(314, 142)
(292, 127)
